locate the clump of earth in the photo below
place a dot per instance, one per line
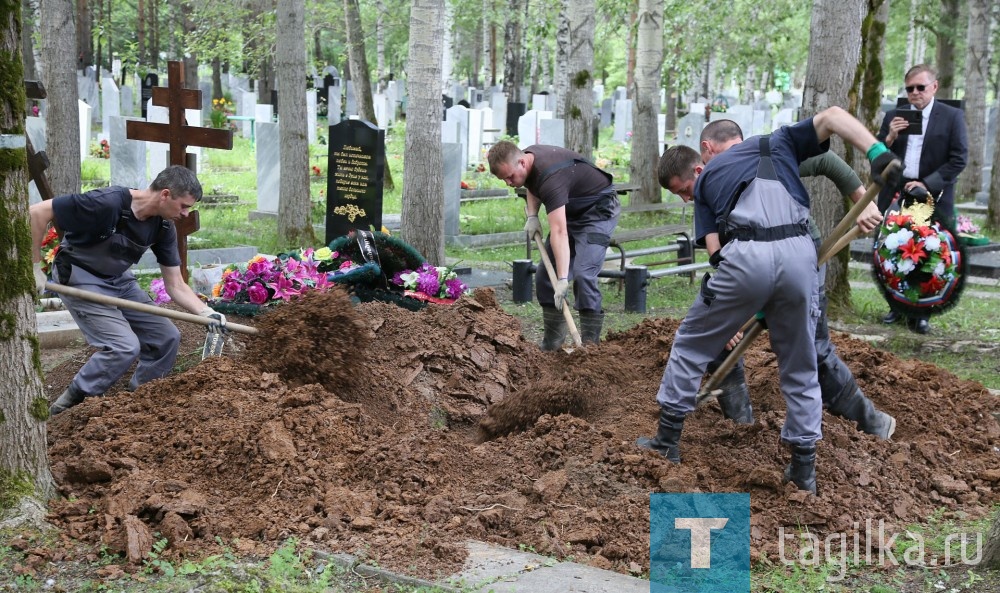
(397, 436)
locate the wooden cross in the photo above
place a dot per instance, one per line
(38, 162)
(179, 136)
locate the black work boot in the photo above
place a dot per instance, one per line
(668, 437)
(69, 398)
(842, 397)
(591, 323)
(858, 408)
(555, 329)
(802, 469)
(735, 398)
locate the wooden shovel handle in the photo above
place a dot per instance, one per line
(152, 310)
(552, 278)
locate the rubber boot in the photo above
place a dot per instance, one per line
(555, 329)
(69, 398)
(858, 408)
(735, 397)
(591, 323)
(802, 469)
(668, 437)
(844, 398)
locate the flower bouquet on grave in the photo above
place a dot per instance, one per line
(968, 232)
(432, 284)
(248, 289)
(919, 264)
(382, 258)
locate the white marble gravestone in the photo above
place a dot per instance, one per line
(552, 132)
(528, 129)
(84, 110)
(157, 152)
(128, 157)
(311, 115)
(623, 120)
(268, 167)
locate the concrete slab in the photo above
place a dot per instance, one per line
(56, 329)
(504, 570)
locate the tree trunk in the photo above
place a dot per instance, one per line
(559, 86)
(217, 78)
(866, 93)
(294, 205)
(154, 37)
(834, 51)
(62, 117)
(947, 32)
(580, 70)
(422, 218)
(993, 206)
(27, 43)
(23, 406)
(630, 43)
(84, 45)
(977, 70)
(646, 102)
(359, 69)
(512, 73)
(140, 30)
(991, 549)
(380, 70)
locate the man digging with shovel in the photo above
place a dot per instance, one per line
(106, 232)
(752, 212)
(841, 395)
(582, 210)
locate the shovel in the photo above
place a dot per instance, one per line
(552, 278)
(840, 237)
(213, 341)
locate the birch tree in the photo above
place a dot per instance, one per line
(646, 101)
(62, 117)
(360, 74)
(579, 110)
(834, 53)
(25, 478)
(422, 218)
(294, 221)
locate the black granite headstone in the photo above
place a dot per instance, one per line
(356, 171)
(514, 113)
(274, 100)
(328, 81)
(146, 92)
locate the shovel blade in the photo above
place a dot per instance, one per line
(214, 341)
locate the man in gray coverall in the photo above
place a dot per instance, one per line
(582, 210)
(752, 212)
(106, 232)
(840, 392)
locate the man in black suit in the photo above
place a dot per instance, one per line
(932, 159)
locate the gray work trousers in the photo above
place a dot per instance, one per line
(589, 237)
(120, 335)
(776, 277)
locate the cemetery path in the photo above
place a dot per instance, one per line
(368, 437)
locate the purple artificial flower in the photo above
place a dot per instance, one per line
(427, 282)
(258, 294)
(397, 278)
(284, 288)
(160, 295)
(454, 288)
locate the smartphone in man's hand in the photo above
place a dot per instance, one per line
(915, 119)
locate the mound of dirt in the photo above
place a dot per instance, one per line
(388, 461)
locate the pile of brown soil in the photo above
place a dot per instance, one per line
(382, 454)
